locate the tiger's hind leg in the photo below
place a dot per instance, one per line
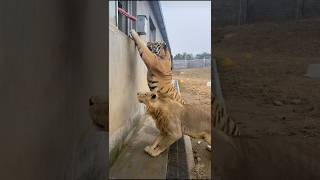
(203, 135)
(207, 137)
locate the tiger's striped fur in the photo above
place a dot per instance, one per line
(157, 58)
(221, 119)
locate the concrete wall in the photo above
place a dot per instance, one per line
(127, 76)
(235, 12)
(53, 56)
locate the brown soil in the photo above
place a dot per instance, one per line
(194, 89)
(262, 68)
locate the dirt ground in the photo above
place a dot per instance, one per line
(194, 89)
(262, 70)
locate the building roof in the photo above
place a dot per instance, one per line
(156, 7)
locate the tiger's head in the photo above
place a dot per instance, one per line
(159, 47)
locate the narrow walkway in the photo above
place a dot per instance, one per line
(134, 163)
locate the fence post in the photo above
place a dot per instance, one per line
(204, 63)
(185, 62)
(240, 12)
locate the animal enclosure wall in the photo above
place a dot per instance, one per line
(235, 12)
(127, 76)
(53, 57)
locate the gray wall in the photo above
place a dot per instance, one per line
(235, 12)
(53, 56)
(127, 76)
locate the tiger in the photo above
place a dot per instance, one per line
(157, 58)
(221, 118)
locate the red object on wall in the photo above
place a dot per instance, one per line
(125, 13)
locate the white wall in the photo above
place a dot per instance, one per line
(127, 76)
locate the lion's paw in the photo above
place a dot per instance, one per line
(148, 150)
(151, 151)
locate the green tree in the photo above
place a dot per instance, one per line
(189, 56)
(184, 56)
(203, 55)
(178, 57)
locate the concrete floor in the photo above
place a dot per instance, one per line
(134, 163)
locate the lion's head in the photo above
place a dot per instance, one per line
(147, 97)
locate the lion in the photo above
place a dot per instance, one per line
(173, 120)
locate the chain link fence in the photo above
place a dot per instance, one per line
(195, 63)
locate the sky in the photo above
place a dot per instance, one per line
(188, 25)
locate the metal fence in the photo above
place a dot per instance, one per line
(195, 63)
(237, 12)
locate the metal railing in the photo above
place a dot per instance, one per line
(195, 63)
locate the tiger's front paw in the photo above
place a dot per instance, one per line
(133, 34)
